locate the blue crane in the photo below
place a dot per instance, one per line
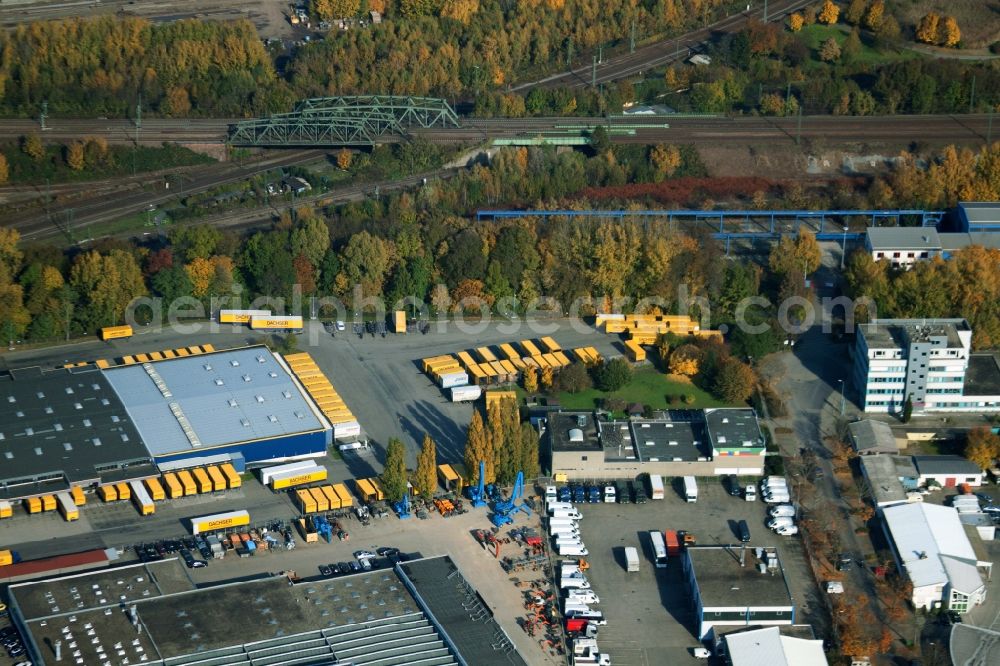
(478, 494)
(503, 510)
(402, 507)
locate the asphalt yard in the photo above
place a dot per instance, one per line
(650, 613)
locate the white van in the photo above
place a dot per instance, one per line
(553, 506)
(586, 596)
(566, 513)
(781, 510)
(593, 617)
(574, 605)
(777, 499)
(783, 521)
(574, 583)
(550, 494)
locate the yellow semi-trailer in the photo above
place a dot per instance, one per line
(187, 481)
(115, 332)
(486, 354)
(155, 489)
(466, 359)
(529, 348)
(6, 558)
(267, 473)
(219, 521)
(399, 321)
(6, 510)
(291, 479)
(322, 503)
(276, 323)
(107, 493)
(48, 502)
(332, 497)
(143, 502)
(306, 501)
(174, 487)
(201, 478)
(550, 345)
(123, 491)
(241, 316)
(218, 480)
(67, 507)
(233, 479)
(346, 501)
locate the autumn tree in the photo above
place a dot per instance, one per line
(830, 50)
(927, 29)
(796, 257)
(106, 284)
(875, 15)
(856, 11)
(685, 360)
(530, 377)
(32, 146)
(74, 156)
(795, 22)
(344, 158)
(772, 104)
(735, 382)
(529, 451)
(477, 449)
(310, 238)
(4, 169)
(425, 477)
(547, 379)
(393, 478)
(665, 159)
(336, 9)
(829, 13)
(982, 447)
(952, 35)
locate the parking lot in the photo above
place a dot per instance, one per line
(650, 614)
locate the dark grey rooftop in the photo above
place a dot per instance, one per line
(730, 427)
(870, 436)
(459, 610)
(946, 465)
(723, 582)
(904, 238)
(347, 619)
(667, 440)
(962, 240)
(982, 377)
(61, 427)
(210, 400)
(563, 435)
(897, 333)
(981, 211)
(885, 474)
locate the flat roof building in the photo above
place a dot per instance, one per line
(930, 545)
(979, 216)
(675, 443)
(925, 361)
(889, 478)
(902, 246)
(235, 401)
(768, 647)
(65, 427)
(870, 437)
(736, 586)
(947, 471)
(153, 614)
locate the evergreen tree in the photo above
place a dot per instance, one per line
(908, 409)
(425, 479)
(394, 475)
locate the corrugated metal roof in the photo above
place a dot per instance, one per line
(923, 534)
(767, 647)
(198, 402)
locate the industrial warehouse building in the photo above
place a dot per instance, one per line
(736, 586)
(710, 442)
(153, 614)
(86, 426)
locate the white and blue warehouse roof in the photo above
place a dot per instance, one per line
(223, 398)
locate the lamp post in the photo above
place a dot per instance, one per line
(842, 401)
(843, 249)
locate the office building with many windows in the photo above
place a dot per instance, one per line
(928, 361)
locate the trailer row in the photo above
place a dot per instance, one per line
(318, 499)
(644, 328)
(482, 366)
(261, 320)
(319, 388)
(181, 352)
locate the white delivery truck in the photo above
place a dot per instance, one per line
(781, 510)
(572, 514)
(690, 489)
(559, 506)
(631, 558)
(777, 498)
(574, 583)
(563, 521)
(466, 393)
(586, 596)
(572, 549)
(655, 486)
(780, 521)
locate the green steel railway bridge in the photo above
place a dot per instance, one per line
(362, 120)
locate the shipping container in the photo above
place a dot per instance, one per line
(174, 487)
(322, 503)
(67, 507)
(155, 489)
(241, 316)
(399, 321)
(306, 501)
(529, 348)
(465, 358)
(123, 491)
(331, 497)
(290, 479)
(6, 558)
(276, 323)
(233, 479)
(48, 502)
(201, 478)
(453, 379)
(465, 393)
(6, 509)
(115, 332)
(218, 480)
(219, 521)
(634, 351)
(673, 542)
(346, 501)
(486, 354)
(107, 493)
(143, 502)
(187, 482)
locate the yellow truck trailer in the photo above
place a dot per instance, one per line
(107, 493)
(322, 503)
(529, 348)
(218, 479)
(201, 478)
(486, 354)
(155, 489)
(115, 333)
(550, 345)
(123, 491)
(233, 479)
(187, 481)
(332, 498)
(276, 323)
(6, 558)
(174, 487)
(6, 509)
(241, 316)
(48, 502)
(143, 502)
(466, 359)
(219, 521)
(346, 501)
(634, 351)
(399, 321)
(298, 478)
(67, 507)
(33, 504)
(306, 502)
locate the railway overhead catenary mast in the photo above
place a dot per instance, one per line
(345, 121)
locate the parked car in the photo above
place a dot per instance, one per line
(364, 555)
(750, 493)
(744, 531)
(733, 485)
(787, 530)
(325, 570)
(834, 587)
